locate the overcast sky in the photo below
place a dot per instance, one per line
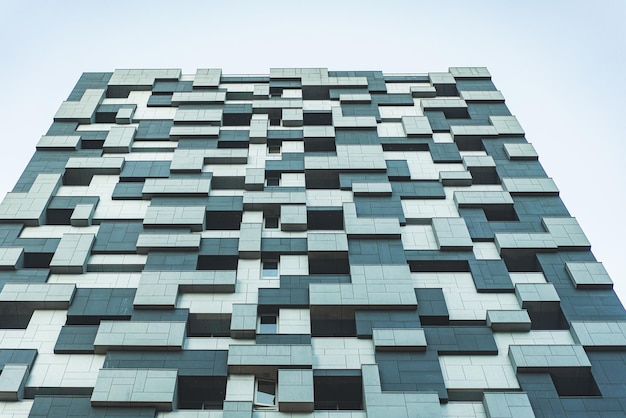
(560, 65)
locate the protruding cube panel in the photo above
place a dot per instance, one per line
(373, 228)
(82, 215)
(524, 241)
(198, 97)
(238, 409)
(444, 83)
(452, 234)
(125, 115)
(469, 199)
(159, 289)
(82, 111)
(11, 258)
(567, 234)
(172, 242)
(432, 308)
(423, 91)
(136, 387)
(72, 254)
(508, 321)
(542, 302)
(207, 78)
(526, 186)
(536, 293)
(361, 296)
(139, 335)
(259, 359)
(506, 125)
(293, 218)
(119, 140)
(192, 217)
(507, 405)
(542, 358)
(471, 96)
(381, 404)
(243, 321)
(452, 107)
(250, 240)
(399, 339)
(80, 170)
(520, 151)
(198, 116)
(255, 179)
(258, 128)
(39, 295)
(371, 189)
(257, 201)
(30, 208)
(176, 187)
(600, 335)
(327, 242)
(588, 275)
(191, 131)
(455, 178)
(292, 117)
(417, 126)
(470, 73)
(352, 122)
(59, 142)
(295, 390)
(12, 381)
(472, 134)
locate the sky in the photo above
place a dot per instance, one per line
(559, 64)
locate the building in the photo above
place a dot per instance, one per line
(327, 243)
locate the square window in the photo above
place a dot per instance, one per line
(268, 324)
(270, 270)
(273, 180)
(272, 222)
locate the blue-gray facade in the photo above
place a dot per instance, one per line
(306, 243)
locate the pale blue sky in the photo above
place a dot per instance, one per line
(560, 65)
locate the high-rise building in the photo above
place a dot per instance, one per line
(327, 243)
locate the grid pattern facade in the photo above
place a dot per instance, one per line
(307, 243)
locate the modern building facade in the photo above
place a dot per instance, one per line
(307, 243)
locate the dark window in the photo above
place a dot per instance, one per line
(201, 392)
(271, 222)
(338, 392)
(208, 325)
(273, 180)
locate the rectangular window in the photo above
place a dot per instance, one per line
(273, 180)
(272, 222)
(339, 392)
(273, 149)
(265, 394)
(270, 269)
(268, 324)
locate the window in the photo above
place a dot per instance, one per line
(268, 324)
(273, 148)
(272, 222)
(272, 180)
(270, 269)
(201, 392)
(265, 394)
(338, 392)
